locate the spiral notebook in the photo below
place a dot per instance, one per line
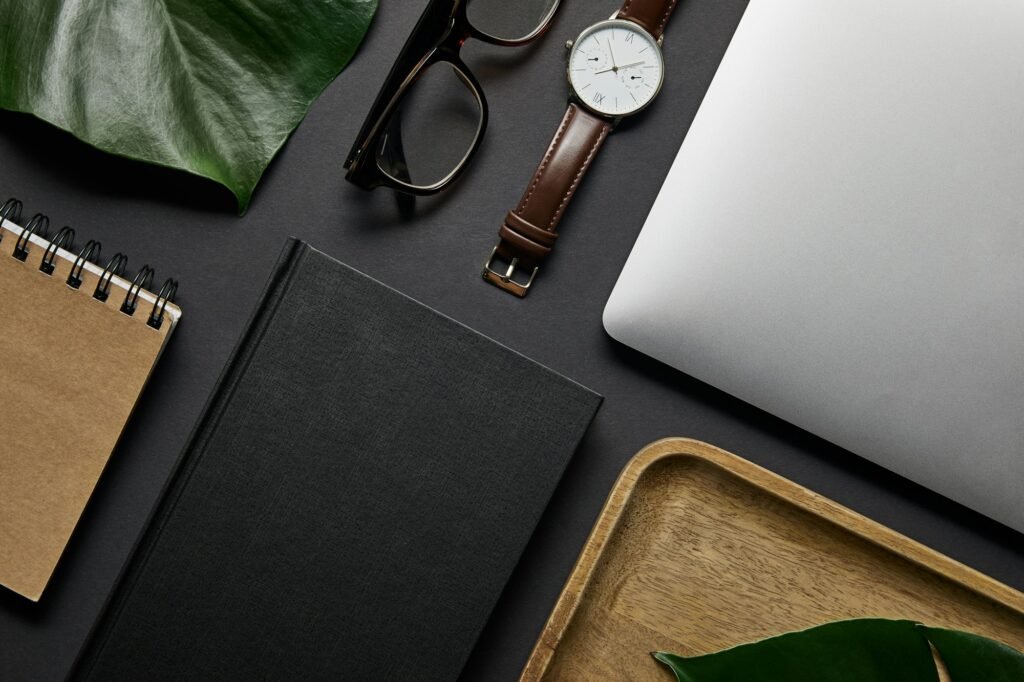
(77, 342)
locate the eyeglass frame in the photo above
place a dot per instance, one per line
(419, 53)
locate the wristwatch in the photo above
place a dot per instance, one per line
(615, 70)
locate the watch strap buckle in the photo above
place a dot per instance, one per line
(505, 280)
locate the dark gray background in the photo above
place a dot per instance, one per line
(186, 227)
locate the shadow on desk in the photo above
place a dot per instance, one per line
(35, 143)
(834, 456)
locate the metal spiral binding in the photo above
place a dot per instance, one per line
(40, 224)
(66, 239)
(75, 276)
(10, 212)
(166, 295)
(115, 266)
(142, 281)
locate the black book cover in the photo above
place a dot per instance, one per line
(353, 500)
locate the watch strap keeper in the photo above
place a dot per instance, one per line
(527, 235)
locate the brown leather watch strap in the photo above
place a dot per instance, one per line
(528, 232)
(652, 15)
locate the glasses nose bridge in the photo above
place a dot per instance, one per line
(448, 50)
(459, 31)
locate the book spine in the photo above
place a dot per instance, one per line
(189, 458)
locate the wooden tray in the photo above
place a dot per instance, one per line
(698, 550)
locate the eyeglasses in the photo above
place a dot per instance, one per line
(430, 115)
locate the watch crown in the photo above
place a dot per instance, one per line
(568, 44)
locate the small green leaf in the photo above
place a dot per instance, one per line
(969, 657)
(850, 651)
(863, 650)
(213, 87)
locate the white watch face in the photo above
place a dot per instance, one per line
(615, 68)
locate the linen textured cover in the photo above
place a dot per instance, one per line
(353, 500)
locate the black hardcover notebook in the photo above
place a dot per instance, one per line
(353, 500)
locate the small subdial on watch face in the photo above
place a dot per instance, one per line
(594, 59)
(632, 77)
(615, 68)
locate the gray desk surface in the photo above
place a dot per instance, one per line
(187, 228)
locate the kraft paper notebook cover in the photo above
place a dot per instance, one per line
(353, 500)
(71, 369)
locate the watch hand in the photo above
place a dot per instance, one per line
(611, 52)
(619, 68)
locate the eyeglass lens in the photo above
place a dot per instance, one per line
(433, 130)
(509, 19)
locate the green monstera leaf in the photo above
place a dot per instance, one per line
(213, 87)
(863, 650)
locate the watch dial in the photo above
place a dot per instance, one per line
(615, 68)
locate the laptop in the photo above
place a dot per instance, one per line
(840, 240)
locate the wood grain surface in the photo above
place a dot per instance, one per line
(698, 550)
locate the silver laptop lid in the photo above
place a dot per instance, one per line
(841, 238)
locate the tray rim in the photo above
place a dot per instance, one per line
(611, 515)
